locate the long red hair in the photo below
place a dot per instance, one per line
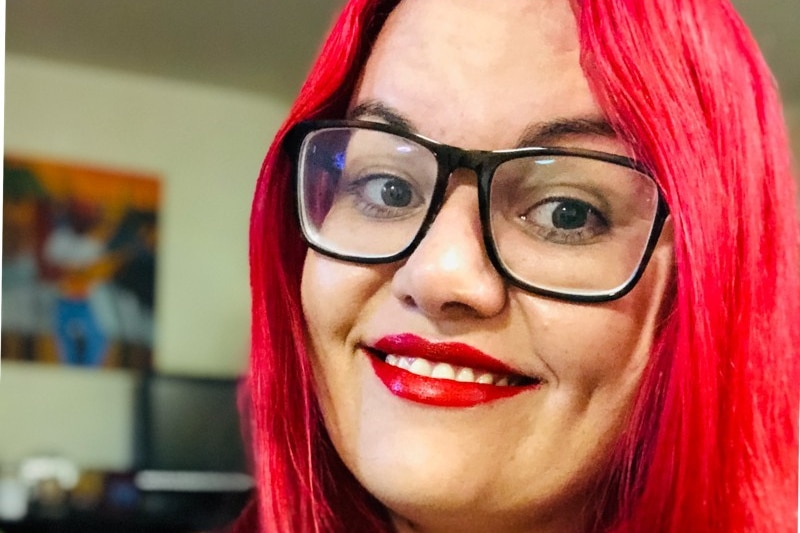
(712, 442)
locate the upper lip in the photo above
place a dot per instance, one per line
(453, 353)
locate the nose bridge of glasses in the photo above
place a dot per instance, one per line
(459, 168)
(455, 158)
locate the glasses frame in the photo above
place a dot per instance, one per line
(483, 163)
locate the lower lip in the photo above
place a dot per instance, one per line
(440, 392)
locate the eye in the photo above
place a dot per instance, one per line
(385, 195)
(566, 221)
(388, 190)
(570, 215)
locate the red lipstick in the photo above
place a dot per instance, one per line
(436, 391)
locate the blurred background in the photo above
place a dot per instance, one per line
(190, 94)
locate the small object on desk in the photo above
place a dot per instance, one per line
(13, 498)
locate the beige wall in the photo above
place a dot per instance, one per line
(207, 145)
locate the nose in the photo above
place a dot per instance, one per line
(449, 274)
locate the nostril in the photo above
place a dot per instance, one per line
(409, 301)
(455, 306)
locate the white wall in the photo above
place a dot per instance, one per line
(207, 145)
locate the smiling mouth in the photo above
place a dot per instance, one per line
(462, 374)
(468, 378)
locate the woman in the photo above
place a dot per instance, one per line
(597, 335)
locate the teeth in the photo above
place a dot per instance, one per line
(423, 367)
(487, 379)
(466, 375)
(443, 371)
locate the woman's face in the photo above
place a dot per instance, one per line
(478, 75)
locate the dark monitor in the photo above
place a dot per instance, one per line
(189, 452)
(189, 424)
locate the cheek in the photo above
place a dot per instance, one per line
(594, 356)
(324, 294)
(602, 349)
(335, 295)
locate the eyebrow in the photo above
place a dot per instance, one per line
(376, 109)
(551, 131)
(536, 134)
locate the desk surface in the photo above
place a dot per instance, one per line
(165, 512)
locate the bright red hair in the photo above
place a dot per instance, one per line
(711, 444)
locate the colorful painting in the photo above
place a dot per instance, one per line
(79, 258)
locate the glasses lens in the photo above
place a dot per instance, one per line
(363, 193)
(571, 224)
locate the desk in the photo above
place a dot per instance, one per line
(149, 512)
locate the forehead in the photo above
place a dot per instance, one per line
(476, 73)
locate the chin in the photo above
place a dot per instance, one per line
(445, 506)
(450, 492)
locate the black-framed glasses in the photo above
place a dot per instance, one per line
(568, 223)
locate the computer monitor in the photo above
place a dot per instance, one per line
(190, 465)
(189, 424)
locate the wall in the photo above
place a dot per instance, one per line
(793, 121)
(207, 145)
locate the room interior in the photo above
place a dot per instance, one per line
(191, 92)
